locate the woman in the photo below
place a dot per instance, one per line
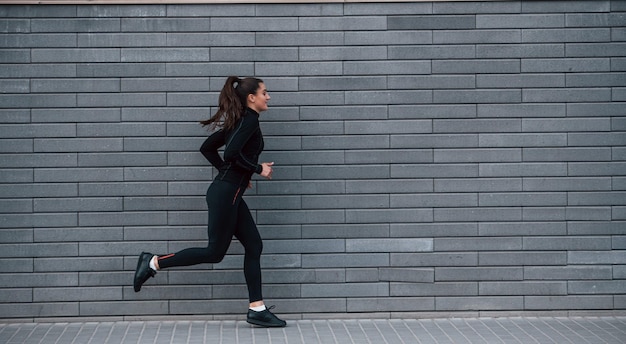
(240, 102)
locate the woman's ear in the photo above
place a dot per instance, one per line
(251, 98)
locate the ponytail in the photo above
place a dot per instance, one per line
(232, 101)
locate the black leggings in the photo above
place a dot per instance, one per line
(228, 215)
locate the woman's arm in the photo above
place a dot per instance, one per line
(237, 140)
(211, 145)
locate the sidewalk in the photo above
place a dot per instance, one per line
(592, 330)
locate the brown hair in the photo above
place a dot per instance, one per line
(233, 101)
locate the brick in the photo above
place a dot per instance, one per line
(589, 213)
(569, 35)
(476, 7)
(39, 190)
(77, 204)
(433, 230)
(433, 289)
(431, 22)
(119, 69)
(76, 25)
(165, 54)
(38, 100)
(477, 214)
(431, 82)
(596, 228)
(384, 97)
(118, 11)
(595, 49)
(434, 259)
(596, 139)
(595, 257)
(478, 244)
(557, 6)
(476, 36)
(75, 115)
(536, 199)
(389, 245)
(102, 308)
(595, 79)
(345, 172)
(344, 201)
(15, 116)
(345, 142)
(16, 145)
(476, 96)
(523, 170)
(246, 54)
(54, 309)
(38, 40)
(341, 83)
(482, 66)
(345, 230)
(15, 25)
(74, 85)
(436, 140)
(74, 55)
(426, 52)
(479, 303)
(389, 126)
(434, 170)
(568, 302)
(477, 155)
(521, 110)
(433, 200)
(566, 124)
(522, 140)
(571, 272)
(79, 145)
(414, 275)
(478, 185)
(16, 86)
(165, 24)
(387, 38)
(520, 80)
(565, 65)
(596, 198)
(120, 39)
(522, 259)
(38, 130)
(593, 19)
(17, 235)
(329, 113)
(567, 243)
(386, 186)
(124, 159)
(295, 10)
(15, 56)
(345, 260)
(16, 296)
(391, 304)
(122, 219)
(280, 39)
(294, 217)
(344, 23)
(345, 289)
(566, 154)
(120, 99)
(78, 234)
(38, 160)
(389, 215)
(522, 288)
(387, 9)
(595, 287)
(596, 169)
(502, 21)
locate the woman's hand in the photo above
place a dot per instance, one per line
(267, 170)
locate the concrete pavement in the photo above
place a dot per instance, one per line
(591, 330)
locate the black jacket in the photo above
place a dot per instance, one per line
(244, 144)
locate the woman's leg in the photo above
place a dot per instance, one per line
(247, 233)
(222, 200)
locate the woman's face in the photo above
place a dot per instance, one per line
(258, 101)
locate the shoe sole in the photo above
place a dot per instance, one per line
(262, 324)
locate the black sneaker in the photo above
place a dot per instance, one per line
(143, 271)
(265, 318)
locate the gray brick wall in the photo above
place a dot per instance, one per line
(431, 157)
